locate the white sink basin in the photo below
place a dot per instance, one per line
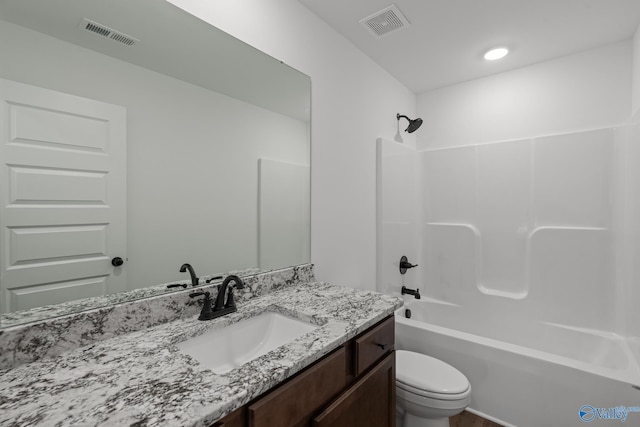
(224, 349)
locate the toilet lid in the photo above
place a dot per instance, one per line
(419, 371)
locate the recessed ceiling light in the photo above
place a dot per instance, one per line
(496, 53)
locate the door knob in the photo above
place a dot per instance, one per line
(117, 261)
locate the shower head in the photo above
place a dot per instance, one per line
(413, 124)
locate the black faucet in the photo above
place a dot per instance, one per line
(220, 304)
(194, 279)
(408, 291)
(220, 308)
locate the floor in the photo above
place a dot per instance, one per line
(467, 419)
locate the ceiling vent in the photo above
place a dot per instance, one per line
(386, 21)
(107, 32)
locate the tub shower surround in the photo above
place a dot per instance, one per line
(528, 267)
(141, 378)
(65, 328)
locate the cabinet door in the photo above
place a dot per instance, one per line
(370, 402)
(295, 402)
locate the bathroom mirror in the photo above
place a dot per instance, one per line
(215, 136)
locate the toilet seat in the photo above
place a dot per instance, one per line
(427, 394)
(429, 377)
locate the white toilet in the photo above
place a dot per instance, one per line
(428, 391)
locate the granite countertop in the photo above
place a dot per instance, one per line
(142, 379)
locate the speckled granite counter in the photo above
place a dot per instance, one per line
(142, 379)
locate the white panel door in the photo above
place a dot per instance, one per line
(62, 197)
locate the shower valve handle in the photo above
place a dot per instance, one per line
(405, 264)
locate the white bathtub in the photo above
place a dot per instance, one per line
(524, 373)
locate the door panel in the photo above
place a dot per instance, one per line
(32, 125)
(55, 293)
(41, 244)
(41, 185)
(63, 196)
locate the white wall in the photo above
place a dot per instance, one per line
(354, 102)
(284, 217)
(587, 90)
(636, 74)
(398, 212)
(185, 164)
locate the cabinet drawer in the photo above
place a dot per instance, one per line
(373, 345)
(297, 400)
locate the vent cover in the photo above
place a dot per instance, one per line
(107, 32)
(386, 21)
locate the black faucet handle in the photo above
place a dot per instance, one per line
(207, 295)
(207, 312)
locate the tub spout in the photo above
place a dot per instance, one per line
(415, 293)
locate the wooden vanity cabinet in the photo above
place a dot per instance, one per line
(354, 386)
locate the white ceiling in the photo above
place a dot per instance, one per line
(446, 39)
